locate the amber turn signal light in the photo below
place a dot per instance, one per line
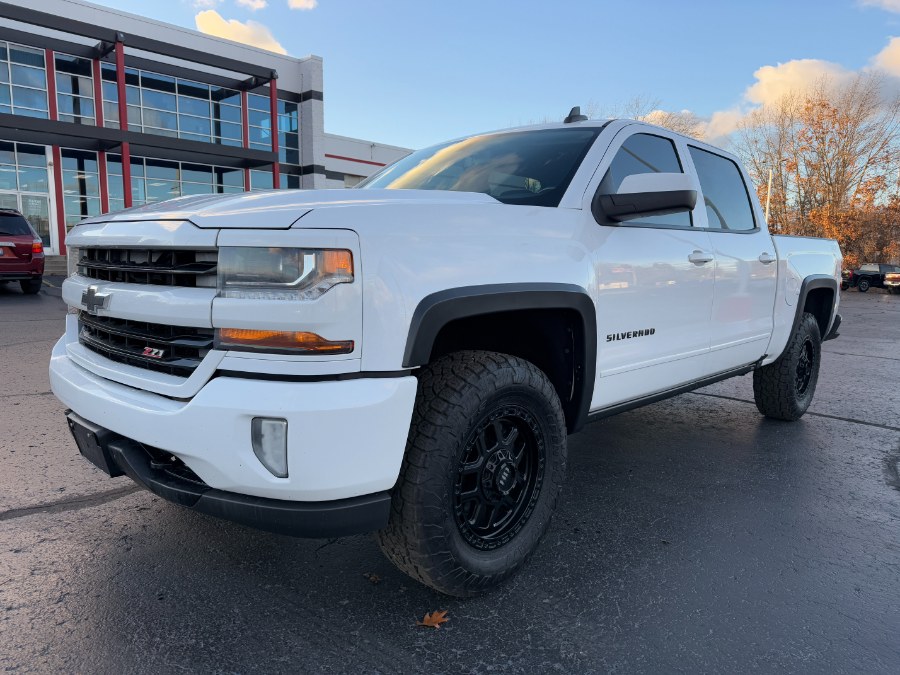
(37, 247)
(298, 342)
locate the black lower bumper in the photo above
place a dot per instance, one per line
(149, 468)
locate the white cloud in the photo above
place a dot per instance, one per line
(250, 33)
(773, 82)
(303, 4)
(206, 4)
(721, 124)
(253, 5)
(889, 5)
(888, 59)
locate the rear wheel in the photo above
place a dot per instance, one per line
(31, 286)
(863, 285)
(484, 463)
(784, 389)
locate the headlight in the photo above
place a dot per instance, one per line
(73, 255)
(281, 273)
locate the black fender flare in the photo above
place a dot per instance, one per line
(438, 309)
(808, 284)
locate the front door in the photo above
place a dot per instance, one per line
(654, 283)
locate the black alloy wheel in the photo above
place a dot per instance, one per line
(499, 477)
(805, 366)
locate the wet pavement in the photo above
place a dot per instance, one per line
(693, 535)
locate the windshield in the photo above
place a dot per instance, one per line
(526, 167)
(13, 223)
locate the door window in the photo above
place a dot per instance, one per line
(645, 153)
(724, 192)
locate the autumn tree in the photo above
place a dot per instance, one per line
(834, 154)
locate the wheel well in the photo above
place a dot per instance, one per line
(551, 339)
(820, 303)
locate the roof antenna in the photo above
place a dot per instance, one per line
(575, 116)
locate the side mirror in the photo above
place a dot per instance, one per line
(647, 194)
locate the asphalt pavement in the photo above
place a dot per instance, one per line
(693, 535)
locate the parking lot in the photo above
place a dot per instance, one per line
(693, 535)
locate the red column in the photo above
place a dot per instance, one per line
(57, 156)
(245, 123)
(123, 121)
(101, 155)
(273, 110)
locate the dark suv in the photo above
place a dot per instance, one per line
(21, 252)
(867, 276)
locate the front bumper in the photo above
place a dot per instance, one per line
(157, 473)
(345, 438)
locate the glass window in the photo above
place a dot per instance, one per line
(258, 119)
(196, 173)
(32, 155)
(193, 106)
(158, 168)
(257, 102)
(8, 177)
(230, 177)
(159, 119)
(157, 82)
(645, 153)
(161, 190)
(29, 77)
(26, 56)
(7, 153)
(227, 113)
(195, 125)
(29, 98)
(527, 167)
(227, 130)
(158, 99)
(724, 192)
(76, 105)
(261, 180)
(228, 96)
(79, 160)
(195, 89)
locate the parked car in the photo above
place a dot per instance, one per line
(892, 282)
(867, 276)
(21, 252)
(410, 357)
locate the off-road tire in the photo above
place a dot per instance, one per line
(458, 395)
(863, 285)
(31, 286)
(776, 386)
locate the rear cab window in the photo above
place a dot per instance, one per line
(725, 194)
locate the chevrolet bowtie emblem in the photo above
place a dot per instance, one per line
(93, 299)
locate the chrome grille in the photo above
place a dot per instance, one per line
(175, 350)
(162, 267)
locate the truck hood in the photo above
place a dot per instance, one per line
(277, 209)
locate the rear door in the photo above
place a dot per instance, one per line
(653, 281)
(746, 267)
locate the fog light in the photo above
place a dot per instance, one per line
(269, 439)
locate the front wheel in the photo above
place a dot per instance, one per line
(784, 389)
(484, 464)
(863, 285)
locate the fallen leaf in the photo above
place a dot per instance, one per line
(434, 619)
(374, 578)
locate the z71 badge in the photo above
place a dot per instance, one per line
(153, 352)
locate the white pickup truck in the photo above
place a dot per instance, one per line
(410, 357)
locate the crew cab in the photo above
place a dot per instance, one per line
(409, 357)
(867, 276)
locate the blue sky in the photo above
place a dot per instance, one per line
(415, 72)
